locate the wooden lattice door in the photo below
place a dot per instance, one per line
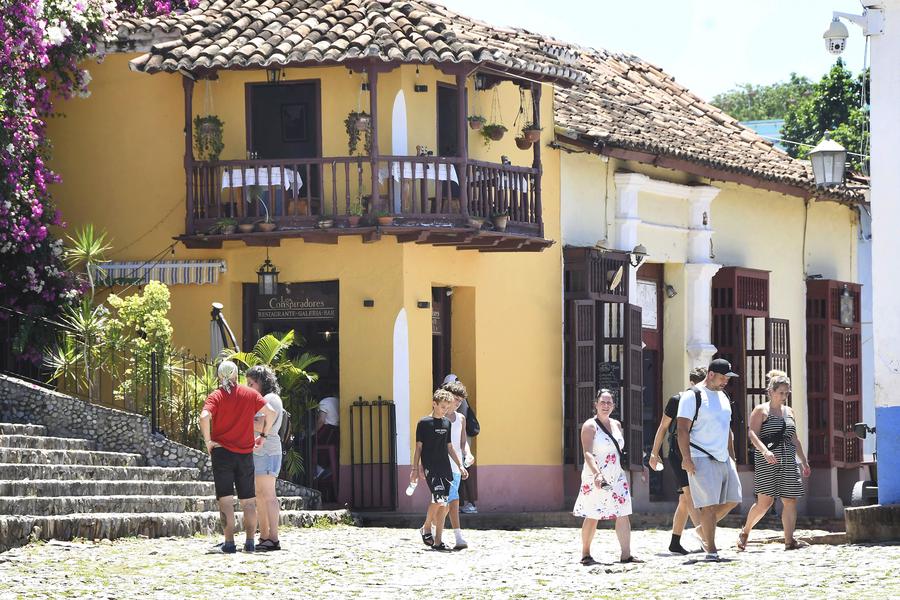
(580, 373)
(633, 388)
(833, 367)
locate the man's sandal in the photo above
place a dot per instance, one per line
(588, 561)
(795, 545)
(427, 538)
(742, 541)
(631, 559)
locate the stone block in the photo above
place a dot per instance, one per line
(877, 523)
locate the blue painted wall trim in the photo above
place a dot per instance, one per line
(887, 442)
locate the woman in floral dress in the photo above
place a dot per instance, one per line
(604, 492)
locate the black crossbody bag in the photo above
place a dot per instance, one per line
(615, 443)
(771, 442)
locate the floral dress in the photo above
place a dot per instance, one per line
(604, 503)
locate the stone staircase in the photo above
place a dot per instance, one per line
(62, 488)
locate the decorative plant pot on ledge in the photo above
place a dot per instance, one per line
(325, 223)
(476, 222)
(500, 222)
(246, 227)
(385, 220)
(353, 220)
(267, 226)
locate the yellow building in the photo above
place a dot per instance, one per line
(631, 159)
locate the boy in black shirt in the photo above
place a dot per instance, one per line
(434, 448)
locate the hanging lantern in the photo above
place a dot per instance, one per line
(267, 276)
(847, 316)
(828, 160)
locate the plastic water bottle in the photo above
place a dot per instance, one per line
(469, 461)
(411, 488)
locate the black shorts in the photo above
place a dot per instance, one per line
(681, 477)
(233, 471)
(439, 485)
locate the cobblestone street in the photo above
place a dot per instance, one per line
(351, 562)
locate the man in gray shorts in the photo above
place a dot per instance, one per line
(706, 443)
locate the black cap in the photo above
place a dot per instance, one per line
(722, 367)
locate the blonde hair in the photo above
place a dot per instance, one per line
(777, 378)
(441, 395)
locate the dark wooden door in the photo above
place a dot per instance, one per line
(440, 335)
(580, 374)
(447, 120)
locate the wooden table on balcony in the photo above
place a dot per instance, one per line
(265, 177)
(424, 173)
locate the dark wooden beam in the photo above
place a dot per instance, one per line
(187, 85)
(198, 243)
(371, 236)
(536, 164)
(372, 70)
(460, 239)
(266, 242)
(415, 236)
(462, 133)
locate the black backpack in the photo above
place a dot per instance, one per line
(673, 427)
(285, 431)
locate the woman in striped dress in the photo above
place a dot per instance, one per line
(777, 452)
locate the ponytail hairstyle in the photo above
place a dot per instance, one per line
(777, 378)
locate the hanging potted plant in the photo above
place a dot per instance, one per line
(522, 143)
(531, 132)
(493, 132)
(358, 122)
(208, 132)
(476, 122)
(500, 219)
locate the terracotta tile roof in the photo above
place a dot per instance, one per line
(235, 34)
(627, 103)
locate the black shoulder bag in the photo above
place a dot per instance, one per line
(473, 427)
(615, 443)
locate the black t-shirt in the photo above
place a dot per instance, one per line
(434, 434)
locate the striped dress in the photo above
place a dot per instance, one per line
(781, 480)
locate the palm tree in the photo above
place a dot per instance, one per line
(87, 250)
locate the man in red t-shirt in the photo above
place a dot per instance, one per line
(226, 423)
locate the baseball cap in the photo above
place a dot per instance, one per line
(451, 378)
(722, 367)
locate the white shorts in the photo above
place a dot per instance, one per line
(714, 482)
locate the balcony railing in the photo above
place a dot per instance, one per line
(415, 190)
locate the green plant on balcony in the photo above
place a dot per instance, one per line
(476, 121)
(531, 132)
(208, 133)
(493, 132)
(356, 123)
(500, 218)
(226, 225)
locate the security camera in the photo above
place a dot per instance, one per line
(836, 37)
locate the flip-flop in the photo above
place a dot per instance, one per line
(588, 561)
(427, 538)
(742, 541)
(631, 559)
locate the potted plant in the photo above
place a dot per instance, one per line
(358, 122)
(522, 143)
(226, 225)
(476, 121)
(493, 132)
(384, 218)
(500, 219)
(208, 132)
(246, 227)
(255, 192)
(476, 222)
(355, 214)
(531, 132)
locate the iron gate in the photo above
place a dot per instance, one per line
(373, 455)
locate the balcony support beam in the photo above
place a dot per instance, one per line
(536, 164)
(462, 128)
(188, 85)
(372, 71)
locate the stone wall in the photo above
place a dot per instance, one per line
(112, 430)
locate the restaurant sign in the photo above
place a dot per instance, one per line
(299, 302)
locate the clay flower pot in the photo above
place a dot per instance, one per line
(500, 222)
(522, 143)
(476, 222)
(353, 220)
(532, 135)
(386, 221)
(246, 227)
(266, 226)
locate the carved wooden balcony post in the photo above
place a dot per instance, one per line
(463, 135)
(536, 111)
(188, 84)
(373, 155)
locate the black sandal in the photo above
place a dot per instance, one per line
(442, 547)
(427, 539)
(631, 559)
(588, 561)
(268, 546)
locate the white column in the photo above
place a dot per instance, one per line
(885, 89)
(628, 186)
(699, 271)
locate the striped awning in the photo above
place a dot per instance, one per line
(170, 272)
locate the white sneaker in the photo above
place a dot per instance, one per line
(460, 544)
(712, 557)
(468, 508)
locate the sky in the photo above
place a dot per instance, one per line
(709, 46)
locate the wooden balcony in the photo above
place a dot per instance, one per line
(432, 200)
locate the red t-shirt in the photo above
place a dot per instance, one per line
(232, 417)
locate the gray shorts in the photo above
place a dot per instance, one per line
(714, 482)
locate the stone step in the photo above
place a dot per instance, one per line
(64, 505)
(45, 443)
(69, 457)
(56, 487)
(22, 429)
(69, 472)
(16, 530)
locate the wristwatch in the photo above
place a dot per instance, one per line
(261, 434)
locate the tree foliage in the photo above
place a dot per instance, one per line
(748, 102)
(835, 106)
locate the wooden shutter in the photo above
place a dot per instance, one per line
(778, 346)
(580, 368)
(633, 388)
(833, 374)
(740, 305)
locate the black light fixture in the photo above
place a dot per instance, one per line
(828, 161)
(637, 255)
(267, 277)
(671, 292)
